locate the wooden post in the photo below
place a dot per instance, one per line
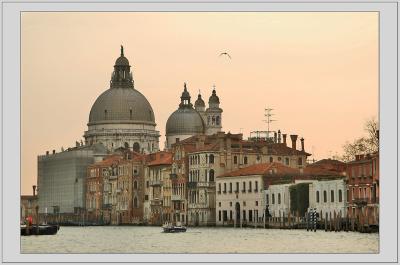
(289, 220)
(37, 219)
(347, 222)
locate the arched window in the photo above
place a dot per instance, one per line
(279, 198)
(135, 202)
(340, 196)
(273, 198)
(332, 196)
(217, 120)
(211, 174)
(245, 160)
(135, 185)
(325, 199)
(211, 159)
(136, 147)
(317, 196)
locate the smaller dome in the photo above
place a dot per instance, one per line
(199, 102)
(185, 121)
(185, 93)
(213, 98)
(122, 61)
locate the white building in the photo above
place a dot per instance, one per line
(325, 195)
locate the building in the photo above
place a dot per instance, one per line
(158, 169)
(363, 187)
(62, 179)
(121, 116)
(187, 121)
(313, 187)
(28, 206)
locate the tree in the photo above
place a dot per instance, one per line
(363, 145)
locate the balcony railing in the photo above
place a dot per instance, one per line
(156, 182)
(175, 197)
(360, 201)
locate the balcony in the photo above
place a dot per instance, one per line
(192, 185)
(175, 197)
(156, 182)
(156, 202)
(360, 201)
(205, 184)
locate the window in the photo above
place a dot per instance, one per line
(135, 185)
(235, 160)
(256, 203)
(230, 215)
(237, 187)
(219, 215)
(325, 197)
(219, 204)
(244, 187)
(340, 196)
(211, 159)
(135, 203)
(245, 160)
(224, 187)
(249, 186)
(267, 199)
(273, 198)
(359, 192)
(244, 215)
(279, 158)
(271, 159)
(300, 161)
(279, 198)
(256, 188)
(230, 187)
(211, 174)
(230, 204)
(287, 161)
(348, 194)
(332, 196)
(317, 196)
(365, 193)
(219, 188)
(352, 193)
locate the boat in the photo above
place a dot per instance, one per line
(39, 230)
(169, 228)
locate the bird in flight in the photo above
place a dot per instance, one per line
(225, 53)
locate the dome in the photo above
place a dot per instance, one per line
(199, 102)
(185, 121)
(121, 105)
(213, 98)
(122, 61)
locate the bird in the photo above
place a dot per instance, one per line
(225, 53)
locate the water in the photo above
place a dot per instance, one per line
(136, 239)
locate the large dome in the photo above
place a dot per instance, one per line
(121, 105)
(185, 121)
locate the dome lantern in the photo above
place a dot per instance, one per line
(185, 98)
(122, 76)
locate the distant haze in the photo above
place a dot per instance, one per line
(318, 71)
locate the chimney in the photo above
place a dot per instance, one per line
(284, 138)
(54, 151)
(34, 190)
(302, 143)
(47, 153)
(293, 137)
(275, 137)
(76, 143)
(279, 136)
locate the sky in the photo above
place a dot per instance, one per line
(318, 71)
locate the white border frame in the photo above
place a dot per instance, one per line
(11, 129)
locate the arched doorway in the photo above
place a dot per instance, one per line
(237, 210)
(197, 220)
(136, 147)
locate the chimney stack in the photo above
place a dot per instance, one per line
(284, 138)
(293, 137)
(302, 143)
(54, 151)
(275, 137)
(279, 136)
(34, 190)
(47, 153)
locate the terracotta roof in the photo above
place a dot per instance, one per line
(161, 158)
(261, 169)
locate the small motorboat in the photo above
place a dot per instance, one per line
(169, 228)
(39, 230)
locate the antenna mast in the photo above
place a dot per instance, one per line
(268, 119)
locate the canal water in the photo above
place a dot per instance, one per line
(136, 239)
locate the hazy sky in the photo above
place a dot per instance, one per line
(319, 71)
